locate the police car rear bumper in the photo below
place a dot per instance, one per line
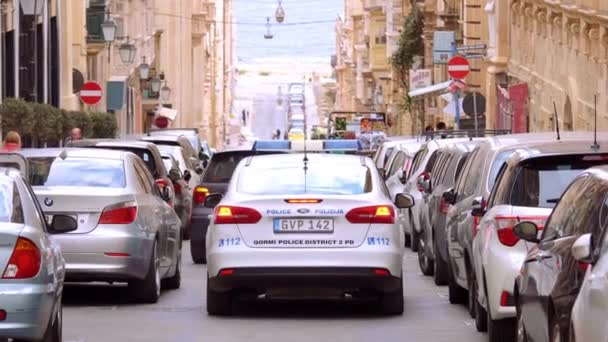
(344, 278)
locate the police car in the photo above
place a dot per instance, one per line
(305, 226)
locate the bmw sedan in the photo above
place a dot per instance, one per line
(126, 230)
(295, 227)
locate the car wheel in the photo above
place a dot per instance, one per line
(175, 281)
(408, 240)
(198, 252)
(441, 267)
(425, 263)
(219, 303)
(147, 290)
(472, 300)
(186, 232)
(456, 294)
(521, 334)
(502, 330)
(481, 316)
(391, 303)
(415, 243)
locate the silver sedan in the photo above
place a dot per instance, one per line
(33, 267)
(126, 230)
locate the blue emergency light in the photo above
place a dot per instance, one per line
(272, 145)
(342, 144)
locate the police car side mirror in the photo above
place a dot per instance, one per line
(212, 200)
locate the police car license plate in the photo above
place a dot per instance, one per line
(303, 225)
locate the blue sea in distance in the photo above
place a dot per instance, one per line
(315, 39)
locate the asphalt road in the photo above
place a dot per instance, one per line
(102, 313)
(268, 116)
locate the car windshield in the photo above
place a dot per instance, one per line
(89, 172)
(319, 179)
(541, 181)
(10, 205)
(222, 167)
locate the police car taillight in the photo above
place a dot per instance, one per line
(236, 215)
(372, 214)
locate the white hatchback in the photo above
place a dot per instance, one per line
(296, 226)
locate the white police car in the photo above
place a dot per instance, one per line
(296, 226)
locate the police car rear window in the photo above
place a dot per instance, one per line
(317, 180)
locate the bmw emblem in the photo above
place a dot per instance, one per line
(303, 211)
(48, 202)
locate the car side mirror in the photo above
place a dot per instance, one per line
(479, 207)
(449, 196)
(166, 193)
(426, 186)
(527, 231)
(404, 201)
(175, 175)
(582, 248)
(187, 176)
(212, 200)
(63, 224)
(382, 173)
(403, 177)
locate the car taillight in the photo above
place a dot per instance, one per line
(24, 262)
(583, 266)
(162, 183)
(122, 213)
(200, 193)
(475, 225)
(372, 214)
(506, 223)
(178, 188)
(236, 215)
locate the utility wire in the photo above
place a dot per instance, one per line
(312, 22)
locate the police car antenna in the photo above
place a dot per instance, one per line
(595, 147)
(305, 160)
(556, 120)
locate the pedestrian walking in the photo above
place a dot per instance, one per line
(75, 134)
(244, 115)
(12, 142)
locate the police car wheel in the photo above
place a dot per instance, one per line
(198, 252)
(391, 303)
(219, 303)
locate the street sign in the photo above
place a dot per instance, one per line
(91, 93)
(474, 104)
(471, 47)
(161, 122)
(458, 67)
(420, 78)
(443, 49)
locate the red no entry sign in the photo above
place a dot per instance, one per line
(458, 67)
(161, 122)
(91, 93)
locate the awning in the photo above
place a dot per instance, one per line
(435, 88)
(168, 113)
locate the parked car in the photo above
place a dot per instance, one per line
(201, 147)
(296, 88)
(527, 188)
(126, 230)
(423, 163)
(191, 172)
(215, 180)
(550, 277)
(183, 192)
(398, 168)
(147, 151)
(175, 140)
(296, 133)
(32, 262)
(478, 177)
(444, 174)
(384, 151)
(590, 307)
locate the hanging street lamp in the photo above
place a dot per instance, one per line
(108, 28)
(155, 84)
(279, 14)
(127, 52)
(165, 93)
(144, 70)
(268, 34)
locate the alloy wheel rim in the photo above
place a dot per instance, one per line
(424, 260)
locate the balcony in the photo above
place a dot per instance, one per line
(96, 13)
(373, 5)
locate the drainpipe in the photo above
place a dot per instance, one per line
(17, 35)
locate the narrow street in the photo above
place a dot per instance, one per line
(100, 313)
